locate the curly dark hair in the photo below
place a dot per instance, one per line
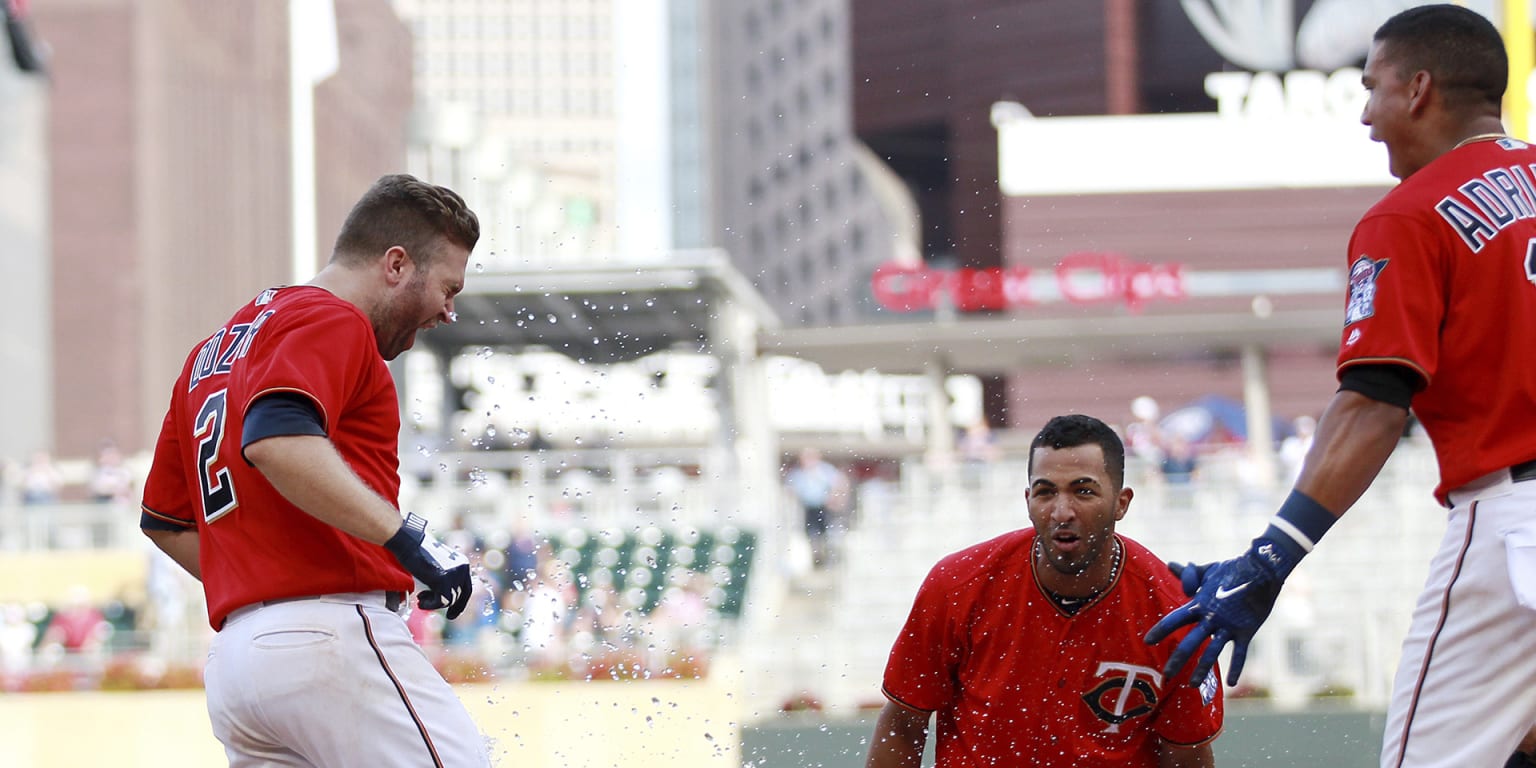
(1076, 429)
(402, 210)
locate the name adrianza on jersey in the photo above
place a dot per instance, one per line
(219, 353)
(1489, 203)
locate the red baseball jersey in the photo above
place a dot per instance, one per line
(1440, 280)
(1017, 681)
(253, 544)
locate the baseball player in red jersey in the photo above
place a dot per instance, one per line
(1028, 647)
(275, 482)
(1441, 316)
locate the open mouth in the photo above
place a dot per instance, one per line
(1066, 541)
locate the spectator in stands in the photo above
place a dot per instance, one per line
(1293, 449)
(977, 447)
(426, 629)
(480, 616)
(17, 635)
(1144, 436)
(545, 614)
(520, 557)
(111, 480)
(1180, 462)
(820, 489)
(40, 480)
(600, 622)
(78, 626)
(683, 622)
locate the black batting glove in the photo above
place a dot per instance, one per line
(443, 571)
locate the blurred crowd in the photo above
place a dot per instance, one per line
(39, 479)
(532, 614)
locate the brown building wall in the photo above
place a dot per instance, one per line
(1215, 230)
(1203, 231)
(171, 182)
(926, 74)
(214, 182)
(93, 223)
(361, 112)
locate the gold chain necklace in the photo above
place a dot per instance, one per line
(1477, 138)
(1071, 604)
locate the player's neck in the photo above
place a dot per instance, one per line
(346, 284)
(1090, 583)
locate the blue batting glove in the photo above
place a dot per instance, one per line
(1230, 600)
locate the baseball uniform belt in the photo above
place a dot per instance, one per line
(1523, 471)
(392, 600)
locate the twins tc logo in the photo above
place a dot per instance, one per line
(1129, 691)
(1362, 289)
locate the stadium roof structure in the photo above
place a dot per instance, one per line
(605, 314)
(1000, 344)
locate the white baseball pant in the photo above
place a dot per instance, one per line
(330, 681)
(1465, 691)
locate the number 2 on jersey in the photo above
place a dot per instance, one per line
(218, 490)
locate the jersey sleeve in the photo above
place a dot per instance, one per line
(1192, 716)
(922, 672)
(1396, 299)
(318, 352)
(167, 503)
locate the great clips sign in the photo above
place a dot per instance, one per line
(1080, 278)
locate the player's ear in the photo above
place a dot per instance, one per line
(1123, 503)
(1419, 87)
(397, 265)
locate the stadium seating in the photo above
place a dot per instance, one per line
(639, 565)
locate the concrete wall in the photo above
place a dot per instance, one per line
(26, 344)
(1255, 737)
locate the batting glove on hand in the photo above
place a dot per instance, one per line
(444, 571)
(1231, 599)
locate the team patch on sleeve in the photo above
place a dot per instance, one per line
(1209, 686)
(1362, 289)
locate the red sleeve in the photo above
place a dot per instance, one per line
(166, 496)
(1396, 299)
(922, 672)
(1191, 716)
(318, 351)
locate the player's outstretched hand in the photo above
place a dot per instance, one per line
(443, 570)
(1230, 600)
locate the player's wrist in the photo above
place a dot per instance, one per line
(1292, 533)
(408, 539)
